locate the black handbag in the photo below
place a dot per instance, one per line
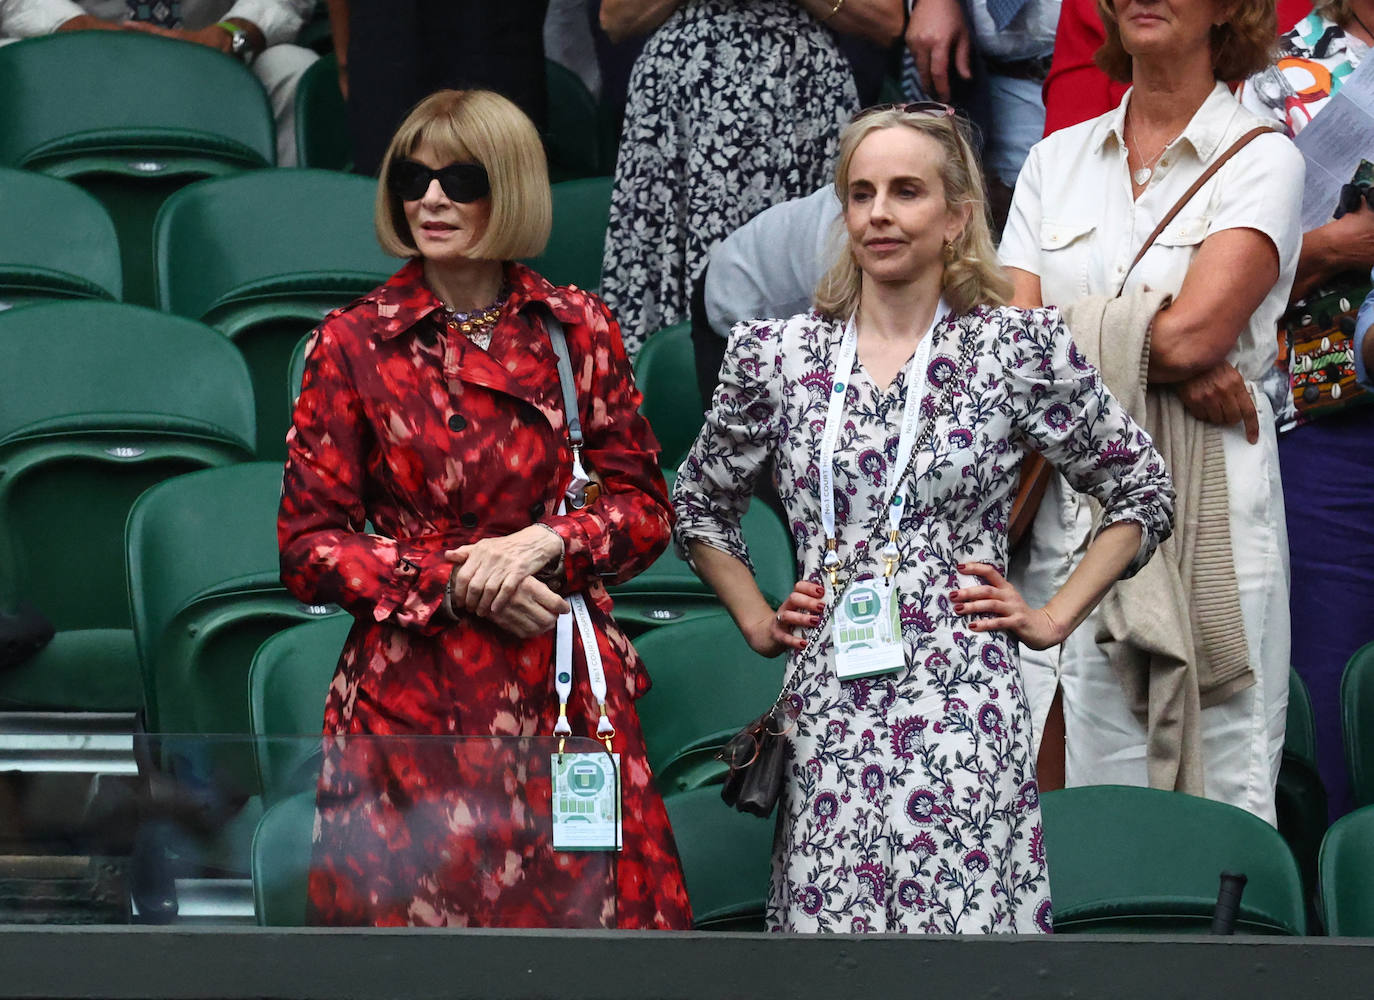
(756, 755)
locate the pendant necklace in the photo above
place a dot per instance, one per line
(1142, 175)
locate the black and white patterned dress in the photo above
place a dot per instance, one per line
(735, 105)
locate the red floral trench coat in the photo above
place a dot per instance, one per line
(438, 443)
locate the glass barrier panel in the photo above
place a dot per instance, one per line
(310, 830)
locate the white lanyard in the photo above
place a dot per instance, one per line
(911, 418)
(563, 642)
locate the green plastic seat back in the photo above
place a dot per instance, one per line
(708, 684)
(574, 137)
(56, 241)
(322, 118)
(581, 213)
(205, 589)
(669, 592)
(263, 256)
(295, 373)
(280, 861)
(665, 372)
(1347, 875)
(101, 401)
(1357, 722)
(1140, 860)
(154, 114)
(726, 856)
(287, 684)
(1300, 734)
(1300, 805)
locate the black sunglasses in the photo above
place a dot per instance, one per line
(933, 108)
(465, 182)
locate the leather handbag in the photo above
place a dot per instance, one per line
(1035, 470)
(756, 756)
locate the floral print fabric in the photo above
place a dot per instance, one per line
(407, 425)
(910, 802)
(734, 106)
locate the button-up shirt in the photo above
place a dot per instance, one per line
(1075, 224)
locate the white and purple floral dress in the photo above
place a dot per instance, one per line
(910, 802)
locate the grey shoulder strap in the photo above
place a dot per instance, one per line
(565, 378)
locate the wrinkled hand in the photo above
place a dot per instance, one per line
(997, 597)
(1354, 233)
(532, 610)
(1220, 396)
(776, 634)
(936, 35)
(489, 573)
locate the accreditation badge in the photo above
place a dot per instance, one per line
(586, 801)
(866, 630)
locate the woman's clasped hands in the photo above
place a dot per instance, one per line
(494, 578)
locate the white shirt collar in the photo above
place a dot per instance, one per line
(1204, 131)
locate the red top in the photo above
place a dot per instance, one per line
(1076, 90)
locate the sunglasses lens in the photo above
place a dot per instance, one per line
(464, 182)
(408, 179)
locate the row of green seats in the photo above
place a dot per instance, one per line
(197, 115)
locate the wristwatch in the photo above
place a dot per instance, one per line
(239, 46)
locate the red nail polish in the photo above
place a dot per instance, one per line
(959, 608)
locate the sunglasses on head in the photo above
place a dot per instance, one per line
(933, 108)
(409, 180)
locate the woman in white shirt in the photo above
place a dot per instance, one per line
(1085, 202)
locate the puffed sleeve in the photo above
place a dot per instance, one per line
(1060, 403)
(716, 480)
(628, 526)
(326, 555)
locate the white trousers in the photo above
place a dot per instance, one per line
(279, 69)
(1242, 738)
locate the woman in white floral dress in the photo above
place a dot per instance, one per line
(910, 801)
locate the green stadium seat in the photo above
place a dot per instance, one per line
(262, 256)
(56, 242)
(574, 139)
(1126, 860)
(1357, 722)
(130, 117)
(131, 397)
(1347, 875)
(669, 592)
(726, 856)
(581, 212)
(1300, 734)
(1300, 796)
(665, 372)
(205, 589)
(322, 118)
(280, 861)
(287, 685)
(708, 684)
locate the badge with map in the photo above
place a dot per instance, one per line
(866, 631)
(586, 801)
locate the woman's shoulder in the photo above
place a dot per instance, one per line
(994, 321)
(374, 313)
(570, 305)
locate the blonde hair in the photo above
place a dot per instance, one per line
(1241, 46)
(975, 276)
(475, 126)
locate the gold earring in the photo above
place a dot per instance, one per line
(947, 252)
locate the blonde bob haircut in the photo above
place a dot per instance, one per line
(475, 126)
(1242, 45)
(974, 277)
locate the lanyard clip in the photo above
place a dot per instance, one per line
(832, 563)
(604, 730)
(890, 554)
(561, 729)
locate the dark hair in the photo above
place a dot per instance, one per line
(1241, 46)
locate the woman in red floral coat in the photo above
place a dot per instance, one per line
(431, 408)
